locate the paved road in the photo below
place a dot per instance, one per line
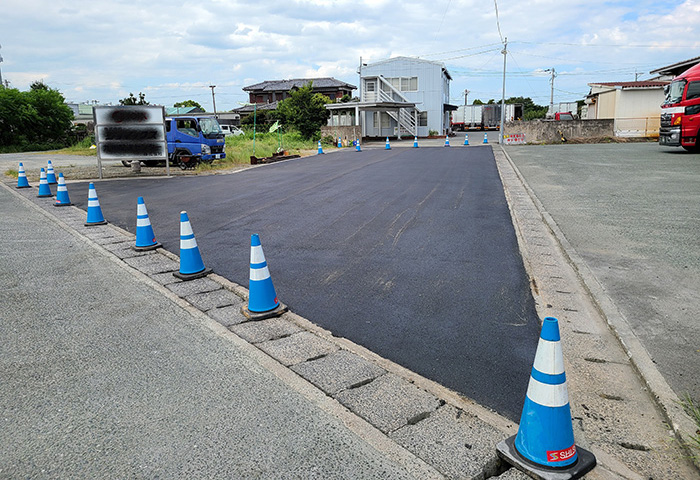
(131, 385)
(409, 252)
(631, 211)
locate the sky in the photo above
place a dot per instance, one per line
(173, 50)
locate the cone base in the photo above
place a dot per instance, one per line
(192, 276)
(275, 312)
(92, 224)
(23, 186)
(146, 247)
(584, 464)
(62, 204)
(45, 195)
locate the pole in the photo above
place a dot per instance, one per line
(213, 100)
(255, 119)
(551, 93)
(503, 95)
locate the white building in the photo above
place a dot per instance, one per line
(400, 96)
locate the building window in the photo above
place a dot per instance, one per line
(375, 119)
(370, 86)
(404, 84)
(423, 119)
(386, 120)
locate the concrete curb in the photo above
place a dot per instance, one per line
(664, 397)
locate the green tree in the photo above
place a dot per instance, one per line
(131, 100)
(304, 110)
(38, 118)
(189, 103)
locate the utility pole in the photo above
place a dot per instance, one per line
(1, 84)
(551, 93)
(503, 95)
(213, 100)
(466, 93)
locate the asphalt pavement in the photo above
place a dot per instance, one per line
(423, 236)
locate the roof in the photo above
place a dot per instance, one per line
(253, 107)
(676, 68)
(639, 84)
(286, 85)
(182, 110)
(412, 59)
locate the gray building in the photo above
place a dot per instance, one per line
(400, 96)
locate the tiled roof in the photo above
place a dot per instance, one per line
(286, 85)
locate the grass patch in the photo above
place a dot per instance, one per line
(240, 148)
(12, 173)
(80, 148)
(693, 409)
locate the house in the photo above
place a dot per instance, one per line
(669, 72)
(635, 106)
(271, 91)
(398, 96)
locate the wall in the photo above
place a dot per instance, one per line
(348, 134)
(546, 131)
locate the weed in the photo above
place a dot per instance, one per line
(693, 409)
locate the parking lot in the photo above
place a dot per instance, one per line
(631, 211)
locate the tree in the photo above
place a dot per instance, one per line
(33, 119)
(189, 103)
(131, 100)
(304, 110)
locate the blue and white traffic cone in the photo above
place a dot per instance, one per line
(145, 238)
(387, 146)
(50, 174)
(466, 139)
(544, 445)
(340, 143)
(415, 142)
(62, 198)
(44, 190)
(191, 264)
(262, 298)
(22, 181)
(486, 138)
(94, 211)
(357, 145)
(447, 141)
(320, 149)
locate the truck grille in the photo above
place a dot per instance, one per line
(666, 119)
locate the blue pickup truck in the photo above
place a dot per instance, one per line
(194, 139)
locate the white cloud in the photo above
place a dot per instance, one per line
(106, 49)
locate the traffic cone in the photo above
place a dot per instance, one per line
(145, 238)
(340, 143)
(415, 142)
(447, 141)
(387, 146)
(44, 190)
(22, 181)
(191, 264)
(357, 145)
(62, 199)
(94, 211)
(466, 139)
(262, 299)
(544, 445)
(50, 175)
(486, 138)
(320, 150)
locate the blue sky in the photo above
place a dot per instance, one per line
(173, 50)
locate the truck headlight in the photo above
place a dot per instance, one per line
(206, 150)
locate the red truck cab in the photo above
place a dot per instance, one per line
(680, 112)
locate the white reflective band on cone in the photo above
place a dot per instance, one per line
(549, 358)
(141, 209)
(185, 229)
(188, 243)
(93, 203)
(257, 255)
(547, 395)
(142, 222)
(257, 274)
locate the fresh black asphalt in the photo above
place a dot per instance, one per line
(408, 252)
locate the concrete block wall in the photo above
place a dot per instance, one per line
(547, 131)
(347, 133)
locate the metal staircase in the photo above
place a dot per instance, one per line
(407, 118)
